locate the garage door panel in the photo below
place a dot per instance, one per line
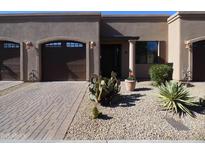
(198, 61)
(63, 63)
(9, 61)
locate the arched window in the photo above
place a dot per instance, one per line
(53, 45)
(65, 44)
(10, 45)
(74, 45)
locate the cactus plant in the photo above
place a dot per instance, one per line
(96, 113)
(102, 90)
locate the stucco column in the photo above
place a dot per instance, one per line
(33, 62)
(190, 59)
(22, 70)
(132, 56)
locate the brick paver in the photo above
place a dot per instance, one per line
(40, 111)
(7, 84)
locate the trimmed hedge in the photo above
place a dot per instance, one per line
(160, 73)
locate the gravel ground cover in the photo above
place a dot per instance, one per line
(137, 116)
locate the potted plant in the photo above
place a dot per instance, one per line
(130, 82)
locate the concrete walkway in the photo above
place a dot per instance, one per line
(40, 111)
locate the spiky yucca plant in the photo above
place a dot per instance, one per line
(175, 97)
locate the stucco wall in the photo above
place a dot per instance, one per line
(35, 28)
(147, 28)
(183, 27)
(174, 42)
(192, 28)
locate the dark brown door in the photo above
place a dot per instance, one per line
(63, 61)
(199, 61)
(9, 61)
(110, 59)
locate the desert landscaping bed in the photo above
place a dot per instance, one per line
(137, 116)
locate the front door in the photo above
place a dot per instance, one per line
(199, 61)
(110, 59)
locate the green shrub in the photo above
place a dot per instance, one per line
(160, 73)
(102, 90)
(175, 97)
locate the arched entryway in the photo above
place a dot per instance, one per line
(9, 60)
(199, 61)
(63, 60)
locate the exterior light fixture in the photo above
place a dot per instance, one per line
(187, 45)
(28, 44)
(92, 44)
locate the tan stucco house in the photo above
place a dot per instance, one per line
(73, 46)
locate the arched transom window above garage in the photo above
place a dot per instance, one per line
(9, 45)
(64, 44)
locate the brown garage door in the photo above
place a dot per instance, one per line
(63, 61)
(199, 61)
(9, 61)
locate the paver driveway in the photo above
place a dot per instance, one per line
(7, 84)
(40, 111)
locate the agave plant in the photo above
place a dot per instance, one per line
(175, 97)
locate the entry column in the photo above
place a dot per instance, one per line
(132, 56)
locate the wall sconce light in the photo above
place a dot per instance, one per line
(92, 44)
(28, 44)
(187, 45)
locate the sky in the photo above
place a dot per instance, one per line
(138, 12)
(103, 12)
